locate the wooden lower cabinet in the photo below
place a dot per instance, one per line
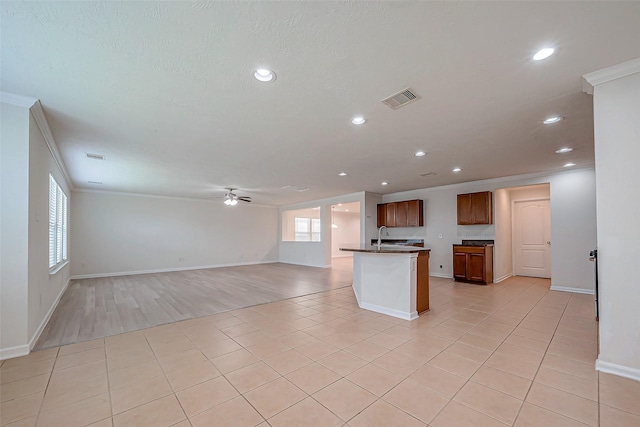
(473, 264)
(422, 285)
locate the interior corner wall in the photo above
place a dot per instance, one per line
(14, 230)
(617, 150)
(503, 247)
(45, 289)
(116, 234)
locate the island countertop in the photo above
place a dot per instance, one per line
(384, 249)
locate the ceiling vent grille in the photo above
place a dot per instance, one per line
(401, 98)
(295, 188)
(428, 174)
(96, 156)
(95, 182)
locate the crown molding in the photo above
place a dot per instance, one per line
(43, 125)
(591, 80)
(17, 100)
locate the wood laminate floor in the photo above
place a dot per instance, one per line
(100, 307)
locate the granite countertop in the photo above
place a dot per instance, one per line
(475, 243)
(385, 249)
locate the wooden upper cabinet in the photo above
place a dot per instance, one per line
(475, 208)
(407, 213)
(382, 215)
(464, 209)
(415, 216)
(390, 214)
(401, 214)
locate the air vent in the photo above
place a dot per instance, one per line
(401, 99)
(295, 188)
(95, 182)
(428, 174)
(96, 156)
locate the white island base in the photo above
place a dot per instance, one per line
(387, 283)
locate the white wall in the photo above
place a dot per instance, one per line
(573, 223)
(44, 289)
(28, 293)
(123, 233)
(503, 248)
(617, 149)
(347, 233)
(14, 228)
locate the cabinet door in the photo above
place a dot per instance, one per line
(460, 265)
(481, 204)
(464, 209)
(382, 215)
(414, 213)
(390, 214)
(475, 270)
(401, 214)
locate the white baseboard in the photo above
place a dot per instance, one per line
(382, 310)
(619, 370)
(390, 312)
(304, 264)
(166, 270)
(38, 332)
(505, 277)
(11, 352)
(574, 290)
(444, 276)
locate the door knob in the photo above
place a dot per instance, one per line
(548, 242)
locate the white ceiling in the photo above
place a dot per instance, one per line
(165, 90)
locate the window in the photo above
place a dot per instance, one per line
(307, 229)
(57, 224)
(302, 225)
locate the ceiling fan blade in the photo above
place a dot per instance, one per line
(245, 199)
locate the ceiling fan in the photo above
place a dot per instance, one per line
(231, 198)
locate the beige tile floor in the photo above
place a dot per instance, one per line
(512, 354)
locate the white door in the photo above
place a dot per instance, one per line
(532, 238)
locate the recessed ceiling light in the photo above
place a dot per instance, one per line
(564, 150)
(420, 154)
(384, 183)
(568, 165)
(358, 120)
(543, 53)
(264, 75)
(339, 204)
(342, 174)
(554, 119)
(456, 170)
(346, 210)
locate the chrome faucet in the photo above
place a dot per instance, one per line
(380, 235)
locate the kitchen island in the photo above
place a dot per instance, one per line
(390, 279)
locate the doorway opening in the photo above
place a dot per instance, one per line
(523, 232)
(345, 231)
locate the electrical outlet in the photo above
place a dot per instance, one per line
(440, 237)
(180, 259)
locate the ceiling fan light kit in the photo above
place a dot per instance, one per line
(232, 199)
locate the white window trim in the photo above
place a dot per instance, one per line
(58, 226)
